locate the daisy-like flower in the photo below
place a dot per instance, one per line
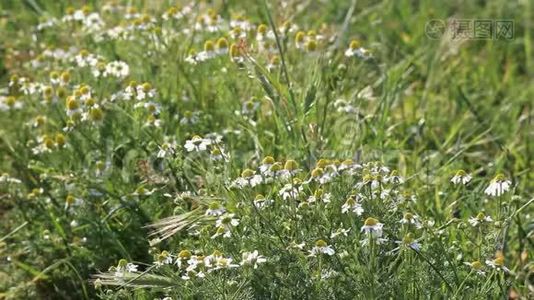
(300, 41)
(166, 149)
(409, 242)
(372, 227)
(222, 46)
(227, 221)
(461, 177)
(352, 205)
(291, 168)
(476, 266)
(355, 50)
(479, 219)
(349, 166)
(9, 103)
(142, 191)
(192, 57)
(215, 209)
(190, 118)
(217, 261)
(197, 144)
(266, 164)
(274, 63)
(117, 69)
(322, 175)
(5, 178)
(218, 154)
(124, 267)
(208, 53)
(164, 258)
(321, 247)
(250, 107)
(235, 54)
(252, 259)
(411, 219)
(498, 263)
(145, 91)
(394, 178)
(183, 257)
(248, 178)
(261, 202)
(73, 107)
(498, 186)
(340, 231)
(291, 190)
(222, 231)
(320, 195)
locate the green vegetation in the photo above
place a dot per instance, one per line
(265, 150)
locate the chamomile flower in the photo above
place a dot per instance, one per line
(215, 209)
(352, 205)
(145, 91)
(252, 259)
(498, 263)
(208, 52)
(291, 190)
(461, 177)
(320, 195)
(197, 144)
(266, 164)
(476, 266)
(408, 241)
(355, 50)
(222, 46)
(411, 219)
(291, 168)
(340, 231)
(261, 202)
(300, 41)
(247, 178)
(10, 103)
(372, 227)
(117, 69)
(218, 154)
(227, 221)
(321, 247)
(5, 178)
(394, 178)
(498, 186)
(166, 149)
(164, 258)
(274, 63)
(124, 267)
(480, 219)
(190, 118)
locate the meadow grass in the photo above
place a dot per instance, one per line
(265, 150)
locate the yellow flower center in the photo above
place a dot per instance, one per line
(321, 243)
(290, 165)
(184, 254)
(208, 46)
(476, 265)
(60, 139)
(370, 222)
(262, 29)
(317, 172)
(70, 199)
(222, 43)
(299, 38)
(247, 173)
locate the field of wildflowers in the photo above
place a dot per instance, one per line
(232, 149)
